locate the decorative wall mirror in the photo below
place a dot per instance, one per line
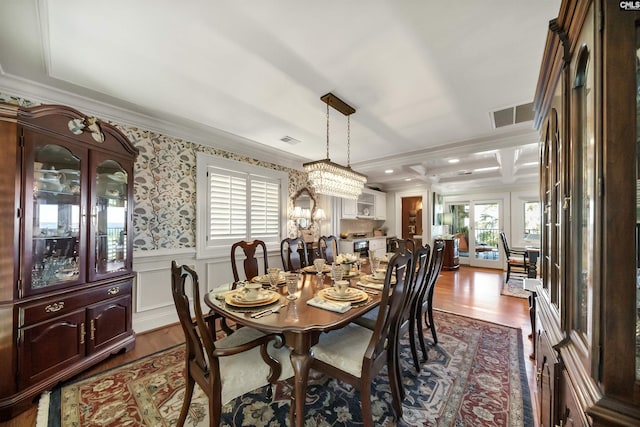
(304, 208)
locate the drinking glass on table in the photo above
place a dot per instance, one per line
(374, 263)
(292, 285)
(273, 273)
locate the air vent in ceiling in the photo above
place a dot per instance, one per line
(290, 140)
(512, 115)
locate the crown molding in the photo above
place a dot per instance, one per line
(164, 124)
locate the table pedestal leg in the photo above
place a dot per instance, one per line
(301, 358)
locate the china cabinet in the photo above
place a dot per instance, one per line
(587, 329)
(66, 185)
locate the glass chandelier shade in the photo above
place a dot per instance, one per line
(329, 178)
(332, 179)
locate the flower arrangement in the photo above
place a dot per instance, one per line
(346, 258)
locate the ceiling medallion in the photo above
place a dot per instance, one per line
(329, 178)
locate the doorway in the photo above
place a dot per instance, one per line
(412, 219)
(476, 224)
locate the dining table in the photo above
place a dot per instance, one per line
(300, 324)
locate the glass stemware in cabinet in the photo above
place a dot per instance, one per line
(110, 217)
(56, 216)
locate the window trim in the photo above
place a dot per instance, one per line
(203, 162)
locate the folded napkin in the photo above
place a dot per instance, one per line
(378, 286)
(221, 291)
(336, 306)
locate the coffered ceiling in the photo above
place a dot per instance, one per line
(423, 76)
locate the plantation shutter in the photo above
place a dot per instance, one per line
(265, 209)
(227, 205)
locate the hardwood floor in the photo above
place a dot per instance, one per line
(473, 292)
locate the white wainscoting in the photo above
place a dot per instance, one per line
(152, 301)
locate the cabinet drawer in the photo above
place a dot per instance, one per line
(48, 308)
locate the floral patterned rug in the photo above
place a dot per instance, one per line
(475, 376)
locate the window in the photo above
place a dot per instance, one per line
(531, 220)
(238, 201)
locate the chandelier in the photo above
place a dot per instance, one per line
(327, 177)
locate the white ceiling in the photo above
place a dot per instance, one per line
(423, 76)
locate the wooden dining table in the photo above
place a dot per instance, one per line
(301, 326)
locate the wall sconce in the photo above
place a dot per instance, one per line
(302, 216)
(319, 216)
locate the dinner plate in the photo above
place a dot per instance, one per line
(351, 295)
(369, 278)
(312, 269)
(348, 275)
(264, 279)
(237, 299)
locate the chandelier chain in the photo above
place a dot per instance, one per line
(327, 130)
(348, 141)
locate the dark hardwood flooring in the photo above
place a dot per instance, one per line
(473, 292)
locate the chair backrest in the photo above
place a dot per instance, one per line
(402, 245)
(294, 254)
(392, 303)
(435, 267)
(328, 246)
(199, 339)
(418, 281)
(250, 263)
(505, 245)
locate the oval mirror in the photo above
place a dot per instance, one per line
(304, 208)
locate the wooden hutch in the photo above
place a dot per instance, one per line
(587, 327)
(66, 198)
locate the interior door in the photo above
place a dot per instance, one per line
(476, 224)
(484, 233)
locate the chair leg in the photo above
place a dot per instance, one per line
(215, 409)
(412, 339)
(508, 272)
(420, 328)
(365, 403)
(395, 383)
(432, 325)
(395, 373)
(186, 402)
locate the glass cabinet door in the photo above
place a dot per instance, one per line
(110, 219)
(53, 214)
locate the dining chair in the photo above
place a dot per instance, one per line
(423, 309)
(250, 262)
(355, 354)
(227, 367)
(413, 289)
(418, 284)
(396, 244)
(294, 254)
(328, 246)
(517, 261)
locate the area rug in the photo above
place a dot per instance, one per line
(514, 287)
(475, 376)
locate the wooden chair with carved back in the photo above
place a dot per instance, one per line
(227, 367)
(423, 309)
(294, 254)
(250, 262)
(356, 354)
(328, 246)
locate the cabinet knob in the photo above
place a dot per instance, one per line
(113, 291)
(56, 306)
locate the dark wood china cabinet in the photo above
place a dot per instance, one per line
(66, 197)
(588, 304)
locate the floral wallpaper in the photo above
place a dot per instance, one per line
(164, 214)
